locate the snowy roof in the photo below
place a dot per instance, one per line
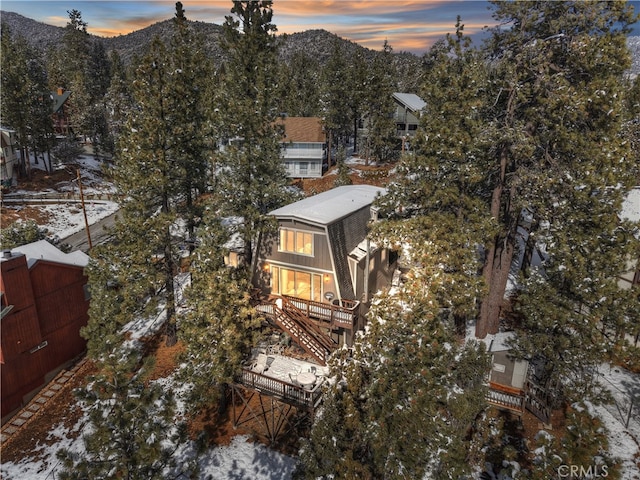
(43, 250)
(410, 100)
(332, 205)
(631, 205)
(361, 250)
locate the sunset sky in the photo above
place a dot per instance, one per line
(407, 25)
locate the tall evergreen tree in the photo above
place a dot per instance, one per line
(533, 121)
(117, 99)
(435, 200)
(220, 327)
(335, 113)
(381, 144)
(191, 71)
(133, 432)
(17, 89)
(252, 180)
(299, 86)
(558, 98)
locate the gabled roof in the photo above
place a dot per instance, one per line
(302, 129)
(43, 250)
(328, 207)
(59, 99)
(410, 100)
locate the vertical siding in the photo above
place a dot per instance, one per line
(20, 333)
(57, 311)
(16, 283)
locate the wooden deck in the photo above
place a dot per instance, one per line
(325, 314)
(282, 390)
(506, 398)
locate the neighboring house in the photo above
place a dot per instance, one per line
(320, 267)
(513, 384)
(304, 149)
(9, 158)
(44, 304)
(408, 110)
(60, 116)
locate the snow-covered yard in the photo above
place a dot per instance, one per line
(241, 459)
(58, 208)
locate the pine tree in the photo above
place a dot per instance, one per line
(381, 144)
(118, 100)
(133, 432)
(558, 94)
(191, 71)
(220, 327)
(299, 86)
(434, 205)
(252, 180)
(335, 112)
(406, 399)
(39, 108)
(342, 178)
(20, 233)
(16, 91)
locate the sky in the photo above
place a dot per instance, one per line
(407, 25)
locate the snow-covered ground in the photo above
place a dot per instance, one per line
(241, 459)
(65, 219)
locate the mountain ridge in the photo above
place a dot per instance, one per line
(317, 43)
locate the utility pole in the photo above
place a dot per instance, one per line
(84, 211)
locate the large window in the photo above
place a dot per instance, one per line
(296, 241)
(295, 283)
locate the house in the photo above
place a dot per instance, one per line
(319, 270)
(408, 110)
(304, 148)
(60, 116)
(9, 160)
(45, 302)
(513, 384)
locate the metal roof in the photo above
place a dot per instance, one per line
(328, 207)
(43, 250)
(412, 101)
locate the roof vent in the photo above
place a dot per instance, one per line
(6, 254)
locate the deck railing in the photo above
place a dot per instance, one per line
(283, 390)
(334, 316)
(505, 397)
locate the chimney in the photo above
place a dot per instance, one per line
(60, 90)
(6, 254)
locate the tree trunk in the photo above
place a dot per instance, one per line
(499, 255)
(169, 271)
(355, 134)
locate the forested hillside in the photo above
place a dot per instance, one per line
(316, 44)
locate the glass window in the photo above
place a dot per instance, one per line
(295, 283)
(296, 241)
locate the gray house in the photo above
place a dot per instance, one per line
(320, 268)
(408, 109)
(304, 149)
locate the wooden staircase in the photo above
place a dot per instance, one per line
(301, 329)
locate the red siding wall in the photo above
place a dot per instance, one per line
(49, 308)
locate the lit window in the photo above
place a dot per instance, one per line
(295, 283)
(296, 241)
